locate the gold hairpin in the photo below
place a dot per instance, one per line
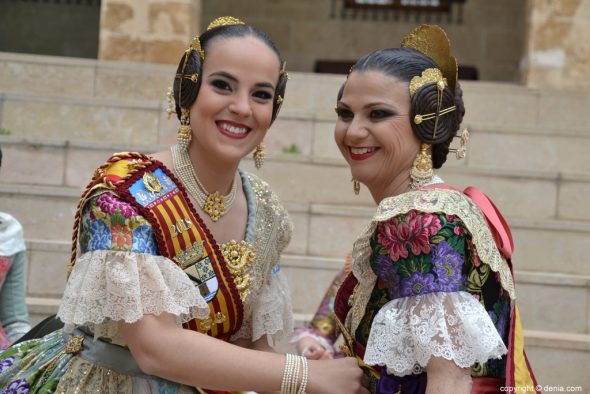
(193, 77)
(421, 118)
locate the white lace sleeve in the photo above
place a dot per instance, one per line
(407, 331)
(272, 313)
(107, 286)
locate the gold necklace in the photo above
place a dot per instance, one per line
(213, 204)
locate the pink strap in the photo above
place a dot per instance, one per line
(498, 225)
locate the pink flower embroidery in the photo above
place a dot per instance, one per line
(414, 231)
(109, 204)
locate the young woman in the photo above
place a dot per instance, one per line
(429, 306)
(184, 237)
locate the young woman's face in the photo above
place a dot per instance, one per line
(373, 129)
(233, 109)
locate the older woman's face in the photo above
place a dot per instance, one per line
(373, 129)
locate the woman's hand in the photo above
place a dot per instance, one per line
(445, 377)
(310, 348)
(341, 376)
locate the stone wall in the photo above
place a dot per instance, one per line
(157, 31)
(491, 36)
(558, 45)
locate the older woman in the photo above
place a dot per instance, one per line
(184, 237)
(429, 306)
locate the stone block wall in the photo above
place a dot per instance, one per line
(558, 47)
(491, 36)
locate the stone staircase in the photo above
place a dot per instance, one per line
(60, 118)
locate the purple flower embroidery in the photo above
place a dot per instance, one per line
(417, 284)
(6, 363)
(109, 203)
(388, 276)
(19, 386)
(447, 265)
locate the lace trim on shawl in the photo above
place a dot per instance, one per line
(408, 331)
(272, 313)
(432, 200)
(107, 286)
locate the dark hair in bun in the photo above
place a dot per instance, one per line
(404, 64)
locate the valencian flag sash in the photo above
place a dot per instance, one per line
(180, 234)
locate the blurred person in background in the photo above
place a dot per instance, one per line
(14, 317)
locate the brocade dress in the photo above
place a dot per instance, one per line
(428, 281)
(120, 275)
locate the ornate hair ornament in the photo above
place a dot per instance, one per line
(224, 21)
(461, 151)
(431, 75)
(432, 41)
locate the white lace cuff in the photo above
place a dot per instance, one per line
(407, 331)
(107, 286)
(272, 313)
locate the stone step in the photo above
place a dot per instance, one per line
(518, 192)
(79, 121)
(544, 297)
(309, 96)
(551, 245)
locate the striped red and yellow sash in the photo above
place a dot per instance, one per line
(180, 234)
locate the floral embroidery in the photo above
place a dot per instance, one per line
(110, 204)
(19, 386)
(109, 223)
(420, 273)
(422, 253)
(413, 230)
(418, 283)
(121, 237)
(6, 363)
(447, 264)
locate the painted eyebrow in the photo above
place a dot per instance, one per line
(369, 105)
(229, 76)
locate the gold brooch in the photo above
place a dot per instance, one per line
(74, 344)
(151, 183)
(239, 256)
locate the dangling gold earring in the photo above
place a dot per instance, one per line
(258, 156)
(421, 172)
(356, 186)
(185, 133)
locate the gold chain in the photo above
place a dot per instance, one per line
(213, 204)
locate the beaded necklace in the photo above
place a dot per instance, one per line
(213, 204)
